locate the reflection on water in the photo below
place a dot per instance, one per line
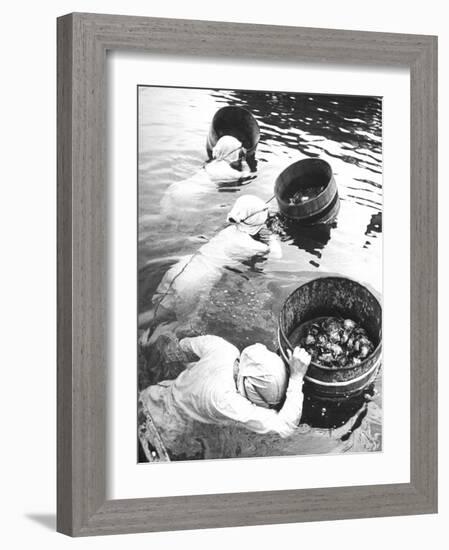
(345, 131)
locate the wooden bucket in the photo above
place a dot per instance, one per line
(334, 296)
(236, 122)
(307, 173)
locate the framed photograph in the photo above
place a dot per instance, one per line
(247, 274)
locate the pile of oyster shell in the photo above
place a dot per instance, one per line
(335, 342)
(305, 194)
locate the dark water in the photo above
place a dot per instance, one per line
(345, 131)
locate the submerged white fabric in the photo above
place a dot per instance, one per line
(206, 392)
(250, 213)
(221, 171)
(227, 148)
(262, 376)
(187, 284)
(189, 281)
(181, 198)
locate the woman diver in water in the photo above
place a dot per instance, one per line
(187, 284)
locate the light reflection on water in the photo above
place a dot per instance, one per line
(345, 131)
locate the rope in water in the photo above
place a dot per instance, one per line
(199, 252)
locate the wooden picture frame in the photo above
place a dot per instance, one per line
(83, 40)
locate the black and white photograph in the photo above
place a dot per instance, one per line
(223, 220)
(259, 329)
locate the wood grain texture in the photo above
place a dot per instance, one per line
(423, 274)
(83, 40)
(64, 277)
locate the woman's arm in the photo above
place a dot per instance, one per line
(275, 247)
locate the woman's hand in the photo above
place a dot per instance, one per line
(298, 361)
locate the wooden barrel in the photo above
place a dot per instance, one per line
(307, 174)
(339, 297)
(236, 122)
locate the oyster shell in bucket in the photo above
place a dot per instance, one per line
(336, 342)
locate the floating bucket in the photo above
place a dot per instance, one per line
(313, 180)
(339, 297)
(236, 122)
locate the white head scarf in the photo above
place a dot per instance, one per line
(250, 214)
(227, 148)
(262, 376)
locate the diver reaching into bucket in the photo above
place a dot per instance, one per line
(226, 165)
(187, 284)
(208, 400)
(221, 386)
